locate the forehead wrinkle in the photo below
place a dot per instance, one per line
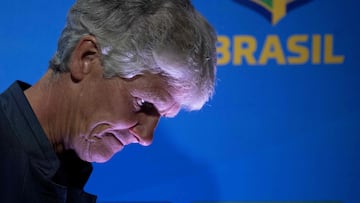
(154, 93)
(171, 111)
(164, 102)
(155, 89)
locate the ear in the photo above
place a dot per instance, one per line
(84, 58)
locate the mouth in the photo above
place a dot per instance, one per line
(117, 137)
(124, 137)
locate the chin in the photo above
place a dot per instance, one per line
(100, 158)
(98, 152)
(95, 157)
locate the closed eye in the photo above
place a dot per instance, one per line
(147, 108)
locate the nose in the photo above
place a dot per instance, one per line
(144, 129)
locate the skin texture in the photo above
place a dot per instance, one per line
(96, 117)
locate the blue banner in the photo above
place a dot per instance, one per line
(283, 125)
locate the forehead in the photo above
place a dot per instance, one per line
(172, 62)
(150, 84)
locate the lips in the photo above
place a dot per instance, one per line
(113, 135)
(105, 129)
(124, 137)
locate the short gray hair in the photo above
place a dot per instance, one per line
(131, 32)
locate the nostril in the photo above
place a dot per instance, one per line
(142, 136)
(146, 143)
(135, 136)
(143, 131)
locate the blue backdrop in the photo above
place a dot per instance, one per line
(284, 124)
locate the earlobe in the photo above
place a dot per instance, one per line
(84, 58)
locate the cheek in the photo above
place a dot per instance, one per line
(121, 113)
(116, 112)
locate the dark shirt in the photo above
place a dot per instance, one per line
(30, 170)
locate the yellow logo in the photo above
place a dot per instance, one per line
(273, 10)
(271, 48)
(297, 49)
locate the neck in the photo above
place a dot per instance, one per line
(47, 99)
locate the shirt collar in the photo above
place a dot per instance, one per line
(29, 130)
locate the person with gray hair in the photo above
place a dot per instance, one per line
(120, 66)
